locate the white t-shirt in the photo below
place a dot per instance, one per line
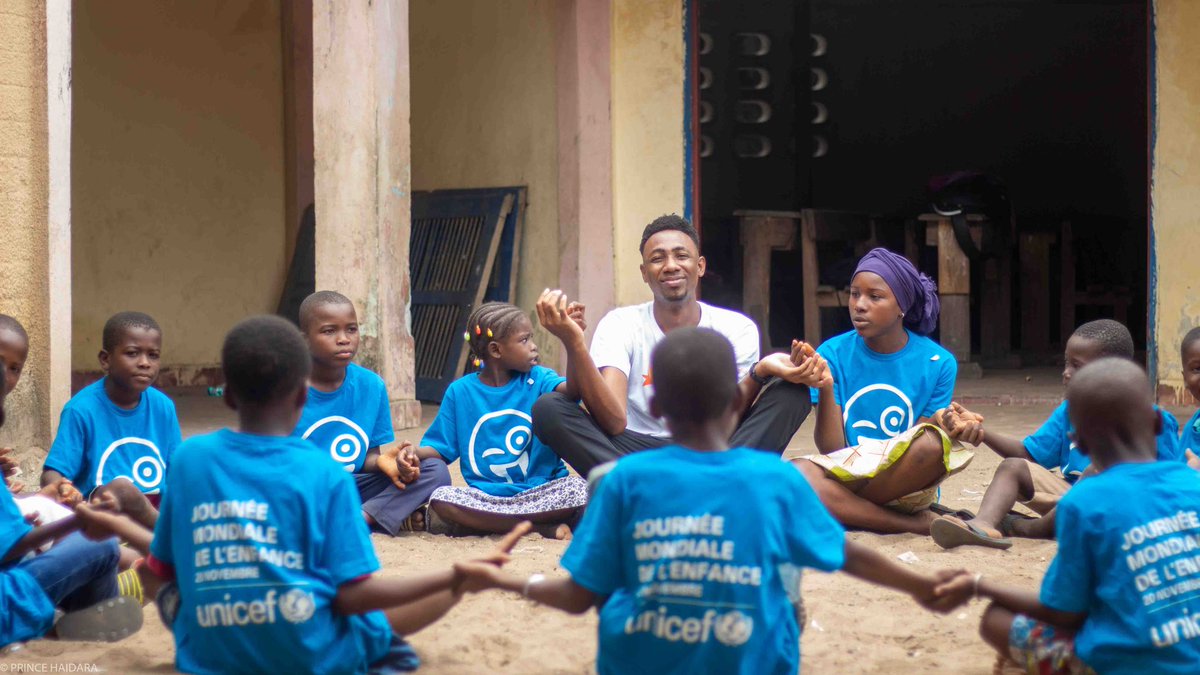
(625, 337)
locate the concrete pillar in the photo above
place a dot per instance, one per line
(35, 211)
(585, 209)
(297, 19)
(1175, 202)
(362, 176)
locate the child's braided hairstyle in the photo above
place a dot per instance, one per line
(489, 322)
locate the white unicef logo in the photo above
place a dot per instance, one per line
(147, 468)
(733, 628)
(345, 446)
(296, 606)
(517, 438)
(897, 415)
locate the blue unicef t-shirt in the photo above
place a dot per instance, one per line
(259, 560)
(1052, 447)
(883, 395)
(700, 554)
(25, 610)
(490, 430)
(350, 420)
(99, 440)
(1134, 570)
(1190, 440)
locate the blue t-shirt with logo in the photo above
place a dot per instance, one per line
(491, 431)
(25, 610)
(1052, 447)
(883, 395)
(350, 420)
(700, 554)
(1134, 570)
(98, 440)
(1190, 440)
(259, 560)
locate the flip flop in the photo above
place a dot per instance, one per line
(1006, 523)
(949, 532)
(410, 524)
(106, 621)
(943, 510)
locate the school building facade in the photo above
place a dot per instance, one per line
(158, 157)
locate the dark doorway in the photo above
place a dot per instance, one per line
(1048, 95)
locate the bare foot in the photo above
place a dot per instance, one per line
(922, 520)
(562, 531)
(986, 528)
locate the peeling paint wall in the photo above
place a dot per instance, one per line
(1175, 188)
(178, 179)
(484, 115)
(648, 134)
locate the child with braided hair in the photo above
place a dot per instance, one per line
(485, 422)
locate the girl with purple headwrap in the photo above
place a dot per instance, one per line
(880, 461)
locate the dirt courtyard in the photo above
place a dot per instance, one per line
(852, 627)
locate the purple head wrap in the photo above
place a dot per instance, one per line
(915, 293)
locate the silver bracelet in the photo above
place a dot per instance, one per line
(975, 595)
(533, 579)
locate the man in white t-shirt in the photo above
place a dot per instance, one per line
(618, 419)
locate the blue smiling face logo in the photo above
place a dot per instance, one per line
(515, 429)
(345, 440)
(134, 458)
(883, 411)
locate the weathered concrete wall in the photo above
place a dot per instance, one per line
(178, 185)
(484, 115)
(648, 134)
(1175, 187)
(362, 180)
(32, 233)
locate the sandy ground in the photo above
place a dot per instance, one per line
(853, 627)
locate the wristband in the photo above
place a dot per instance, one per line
(762, 381)
(533, 579)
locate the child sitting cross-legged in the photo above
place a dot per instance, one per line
(1038, 471)
(694, 551)
(1119, 597)
(1189, 352)
(348, 416)
(271, 575)
(485, 423)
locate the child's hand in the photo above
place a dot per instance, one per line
(801, 351)
(812, 372)
(947, 590)
(472, 576)
(554, 314)
(960, 424)
(399, 463)
(97, 523)
(63, 491)
(10, 469)
(1192, 460)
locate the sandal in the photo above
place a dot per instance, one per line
(949, 532)
(943, 510)
(106, 621)
(1006, 523)
(417, 521)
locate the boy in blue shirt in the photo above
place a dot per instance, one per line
(1119, 597)
(1189, 352)
(74, 575)
(1038, 471)
(698, 548)
(277, 576)
(348, 416)
(119, 426)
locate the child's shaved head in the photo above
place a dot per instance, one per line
(317, 300)
(1112, 337)
(264, 357)
(1112, 410)
(695, 375)
(121, 323)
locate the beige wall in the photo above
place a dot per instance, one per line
(647, 114)
(484, 115)
(177, 169)
(1175, 192)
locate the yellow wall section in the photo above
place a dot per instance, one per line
(1175, 195)
(647, 121)
(177, 192)
(484, 115)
